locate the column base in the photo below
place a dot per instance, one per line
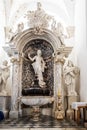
(6, 114)
(70, 99)
(13, 114)
(20, 113)
(69, 113)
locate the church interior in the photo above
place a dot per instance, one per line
(43, 50)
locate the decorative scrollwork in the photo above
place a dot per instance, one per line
(38, 18)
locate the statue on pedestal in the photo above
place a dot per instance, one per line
(70, 72)
(38, 66)
(4, 75)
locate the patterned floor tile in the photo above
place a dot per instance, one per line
(43, 122)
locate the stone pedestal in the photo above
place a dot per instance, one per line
(20, 113)
(70, 99)
(6, 113)
(5, 103)
(13, 114)
(59, 113)
(46, 111)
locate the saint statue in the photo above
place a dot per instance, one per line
(70, 72)
(4, 75)
(38, 66)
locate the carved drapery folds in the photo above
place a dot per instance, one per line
(4, 75)
(71, 72)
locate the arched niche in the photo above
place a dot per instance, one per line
(21, 39)
(28, 74)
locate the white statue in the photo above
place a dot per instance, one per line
(58, 29)
(38, 18)
(70, 72)
(38, 66)
(4, 75)
(61, 32)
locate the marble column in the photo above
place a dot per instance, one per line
(15, 89)
(58, 80)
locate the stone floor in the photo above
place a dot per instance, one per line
(43, 122)
(46, 129)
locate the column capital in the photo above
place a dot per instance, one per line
(14, 60)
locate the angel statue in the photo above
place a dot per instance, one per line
(38, 66)
(4, 75)
(58, 30)
(61, 32)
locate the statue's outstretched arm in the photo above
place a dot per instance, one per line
(23, 57)
(32, 59)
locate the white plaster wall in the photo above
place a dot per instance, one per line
(79, 53)
(81, 45)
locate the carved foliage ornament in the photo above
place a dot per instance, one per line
(38, 18)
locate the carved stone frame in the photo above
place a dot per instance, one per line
(16, 46)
